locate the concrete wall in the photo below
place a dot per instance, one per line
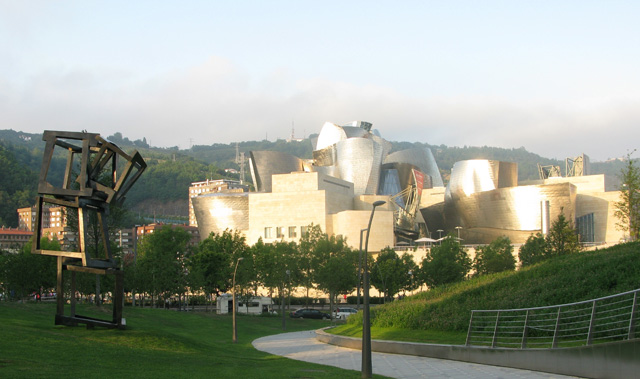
(284, 210)
(298, 200)
(432, 196)
(602, 205)
(349, 223)
(609, 360)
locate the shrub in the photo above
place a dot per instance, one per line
(446, 263)
(495, 257)
(533, 251)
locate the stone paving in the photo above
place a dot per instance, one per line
(303, 346)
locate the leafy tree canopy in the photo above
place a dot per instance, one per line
(562, 238)
(445, 263)
(495, 257)
(533, 251)
(627, 210)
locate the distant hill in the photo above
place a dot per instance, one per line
(162, 190)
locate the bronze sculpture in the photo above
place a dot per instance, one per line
(90, 184)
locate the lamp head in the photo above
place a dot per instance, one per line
(378, 203)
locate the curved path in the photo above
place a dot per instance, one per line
(303, 346)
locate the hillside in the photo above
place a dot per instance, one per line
(566, 279)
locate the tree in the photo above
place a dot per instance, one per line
(24, 273)
(160, 268)
(495, 257)
(627, 210)
(446, 263)
(562, 239)
(533, 251)
(278, 267)
(392, 274)
(409, 273)
(211, 267)
(306, 248)
(334, 267)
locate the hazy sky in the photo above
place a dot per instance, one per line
(559, 78)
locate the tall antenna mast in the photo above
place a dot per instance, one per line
(242, 168)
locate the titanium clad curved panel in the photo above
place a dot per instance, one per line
(325, 157)
(356, 162)
(354, 132)
(386, 145)
(380, 150)
(479, 175)
(219, 211)
(422, 158)
(514, 208)
(330, 134)
(507, 174)
(264, 164)
(469, 177)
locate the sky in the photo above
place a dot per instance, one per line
(559, 78)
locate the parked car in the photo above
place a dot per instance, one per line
(309, 313)
(343, 312)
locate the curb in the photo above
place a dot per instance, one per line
(606, 360)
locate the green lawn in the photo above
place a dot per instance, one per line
(156, 343)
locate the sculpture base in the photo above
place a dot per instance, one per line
(73, 319)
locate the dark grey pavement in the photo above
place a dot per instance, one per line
(303, 346)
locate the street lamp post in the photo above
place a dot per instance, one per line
(366, 326)
(135, 261)
(439, 233)
(359, 270)
(282, 300)
(458, 229)
(235, 329)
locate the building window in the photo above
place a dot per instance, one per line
(267, 232)
(303, 231)
(292, 232)
(280, 232)
(585, 225)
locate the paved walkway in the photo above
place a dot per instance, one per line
(303, 346)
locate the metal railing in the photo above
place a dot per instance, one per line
(611, 318)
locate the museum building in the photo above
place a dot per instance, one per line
(352, 167)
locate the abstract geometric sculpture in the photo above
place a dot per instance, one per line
(90, 183)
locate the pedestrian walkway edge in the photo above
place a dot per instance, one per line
(607, 360)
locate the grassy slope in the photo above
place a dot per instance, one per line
(157, 343)
(442, 315)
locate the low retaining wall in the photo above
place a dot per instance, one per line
(607, 360)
